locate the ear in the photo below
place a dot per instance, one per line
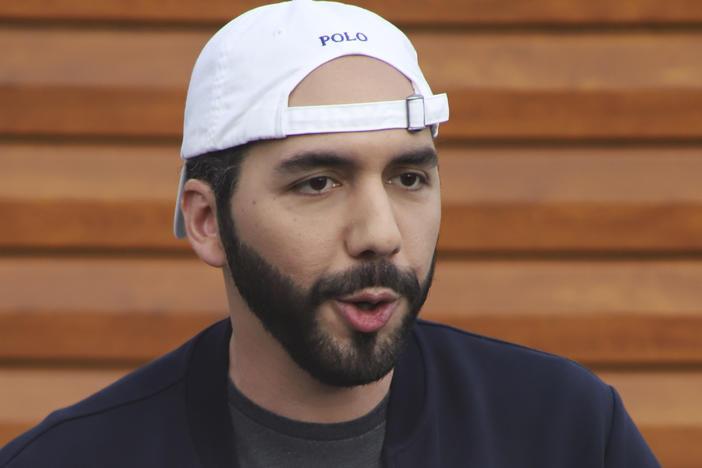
(200, 214)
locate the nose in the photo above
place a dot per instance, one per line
(372, 230)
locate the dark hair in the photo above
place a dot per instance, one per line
(220, 170)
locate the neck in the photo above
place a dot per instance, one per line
(263, 371)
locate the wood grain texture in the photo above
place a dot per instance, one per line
(541, 199)
(10, 430)
(573, 226)
(31, 394)
(596, 312)
(667, 409)
(599, 312)
(524, 73)
(92, 306)
(675, 447)
(28, 395)
(605, 199)
(466, 12)
(501, 86)
(482, 114)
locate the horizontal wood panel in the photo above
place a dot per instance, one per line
(527, 85)
(495, 199)
(90, 224)
(675, 447)
(405, 12)
(68, 335)
(649, 174)
(10, 430)
(75, 171)
(91, 309)
(143, 58)
(597, 312)
(91, 112)
(667, 408)
(484, 114)
(28, 395)
(469, 173)
(665, 405)
(607, 199)
(572, 226)
(31, 394)
(483, 227)
(591, 311)
(574, 115)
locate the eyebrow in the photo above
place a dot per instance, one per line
(311, 160)
(425, 157)
(314, 160)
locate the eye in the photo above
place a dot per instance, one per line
(316, 185)
(409, 180)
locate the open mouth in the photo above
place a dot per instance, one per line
(370, 299)
(369, 310)
(368, 306)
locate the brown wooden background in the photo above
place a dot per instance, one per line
(571, 174)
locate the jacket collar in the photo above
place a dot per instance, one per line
(409, 440)
(206, 397)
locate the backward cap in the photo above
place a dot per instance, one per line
(244, 75)
(242, 79)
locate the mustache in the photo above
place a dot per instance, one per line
(366, 275)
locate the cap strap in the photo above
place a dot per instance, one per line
(413, 113)
(416, 119)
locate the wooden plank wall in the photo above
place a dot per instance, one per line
(572, 202)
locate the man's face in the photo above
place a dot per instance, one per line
(333, 246)
(333, 237)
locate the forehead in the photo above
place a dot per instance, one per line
(346, 80)
(371, 150)
(351, 79)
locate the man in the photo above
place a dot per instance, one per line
(312, 181)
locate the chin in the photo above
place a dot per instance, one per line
(352, 357)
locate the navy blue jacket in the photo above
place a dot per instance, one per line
(457, 400)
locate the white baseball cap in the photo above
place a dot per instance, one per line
(244, 75)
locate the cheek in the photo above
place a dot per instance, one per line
(420, 232)
(299, 246)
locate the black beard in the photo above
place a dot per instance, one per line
(289, 313)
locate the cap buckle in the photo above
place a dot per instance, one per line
(415, 112)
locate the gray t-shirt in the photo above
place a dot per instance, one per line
(265, 440)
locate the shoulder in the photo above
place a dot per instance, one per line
(149, 398)
(498, 369)
(535, 404)
(465, 347)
